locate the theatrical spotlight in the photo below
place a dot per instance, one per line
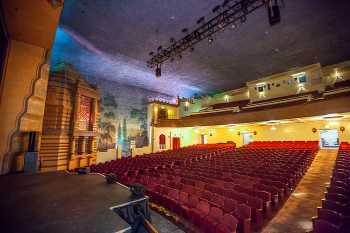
(216, 9)
(158, 71)
(273, 11)
(201, 20)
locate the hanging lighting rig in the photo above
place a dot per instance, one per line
(229, 13)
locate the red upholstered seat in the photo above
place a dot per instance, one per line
(210, 222)
(228, 224)
(199, 212)
(322, 226)
(329, 216)
(172, 199)
(183, 201)
(193, 202)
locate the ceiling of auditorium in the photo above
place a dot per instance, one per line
(112, 39)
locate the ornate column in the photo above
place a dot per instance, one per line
(83, 145)
(73, 148)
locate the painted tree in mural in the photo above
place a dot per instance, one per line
(141, 116)
(120, 137)
(126, 146)
(107, 123)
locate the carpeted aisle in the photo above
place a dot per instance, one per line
(295, 216)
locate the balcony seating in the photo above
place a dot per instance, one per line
(334, 214)
(210, 184)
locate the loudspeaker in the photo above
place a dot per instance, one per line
(111, 178)
(137, 190)
(274, 13)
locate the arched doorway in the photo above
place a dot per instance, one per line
(162, 142)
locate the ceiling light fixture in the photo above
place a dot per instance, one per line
(229, 13)
(158, 71)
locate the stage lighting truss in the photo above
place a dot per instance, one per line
(229, 13)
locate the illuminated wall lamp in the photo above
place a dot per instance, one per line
(227, 98)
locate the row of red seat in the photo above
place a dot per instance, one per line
(334, 215)
(221, 184)
(165, 158)
(215, 145)
(283, 144)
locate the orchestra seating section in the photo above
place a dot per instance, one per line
(334, 215)
(219, 188)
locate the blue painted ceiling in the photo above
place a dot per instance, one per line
(111, 40)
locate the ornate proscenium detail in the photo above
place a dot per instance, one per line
(230, 12)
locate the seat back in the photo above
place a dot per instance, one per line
(215, 213)
(330, 216)
(183, 197)
(230, 222)
(204, 207)
(230, 205)
(193, 201)
(322, 226)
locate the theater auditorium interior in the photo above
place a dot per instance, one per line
(174, 116)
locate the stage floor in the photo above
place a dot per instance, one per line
(59, 202)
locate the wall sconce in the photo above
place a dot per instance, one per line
(337, 75)
(262, 94)
(301, 87)
(227, 98)
(342, 129)
(238, 133)
(255, 133)
(314, 130)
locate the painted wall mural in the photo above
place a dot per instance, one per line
(123, 121)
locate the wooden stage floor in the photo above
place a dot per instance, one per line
(59, 202)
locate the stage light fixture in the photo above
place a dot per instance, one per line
(201, 20)
(273, 11)
(216, 9)
(158, 71)
(228, 14)
(225, 3)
